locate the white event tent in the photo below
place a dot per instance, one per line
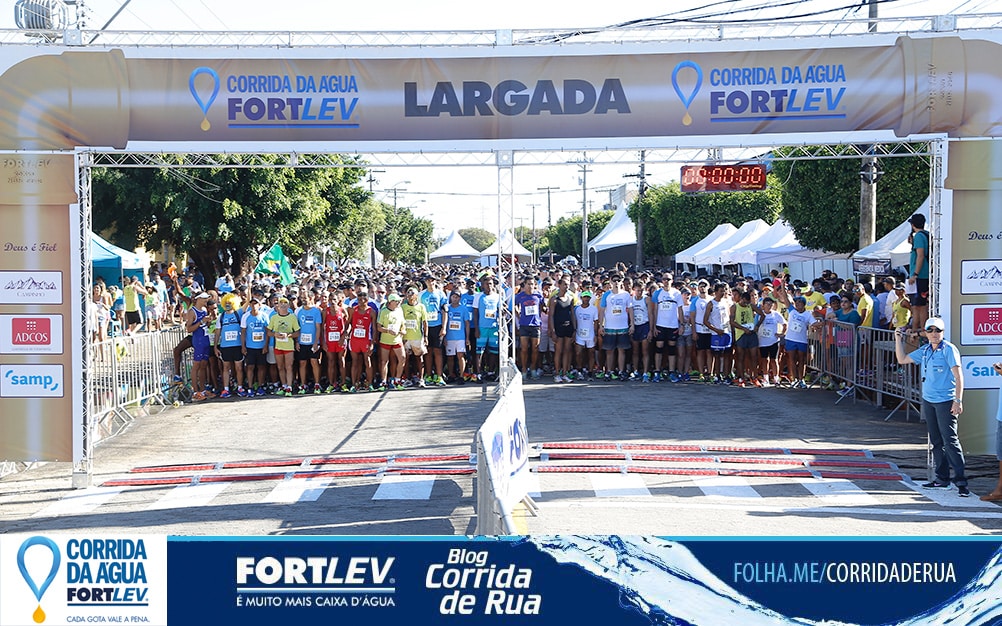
(718, 234)
(779, 233)
(505, 245)
(618, 240)
(739, 239)
(894, 246)
(454, 249)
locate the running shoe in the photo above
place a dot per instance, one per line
(421, 384)
(177, 379)
(226, 394)
(316, 390)
(440, 382)
(397, 385)
(634, 375)
(302, 391)
(936, 484)
(963, 491)
(351, 389)
(608, 377)
(331, 389)
(259, 392)
(198, 396)
(647, 377)
(686, 376)
(674, 377)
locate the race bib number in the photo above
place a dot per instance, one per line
(410, 324)
(454, 325)
(306, 338)
(231, 335)
(583, 332)
(666, 305)
(333, 336)
(281, 336)
(638, 317)
(490, 313)
(432, 315)
(359, 333)
(257, 336)
(796, 326)
(617, 310)
(765, 331)
(531, 310)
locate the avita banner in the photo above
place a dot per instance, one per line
(628, 581)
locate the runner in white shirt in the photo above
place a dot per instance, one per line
(616, 323)
(797, 347)
(586, 322)
(700, 332)
(770, 328)
(666, 303)
(640, 306)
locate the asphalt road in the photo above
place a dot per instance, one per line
(727, 461)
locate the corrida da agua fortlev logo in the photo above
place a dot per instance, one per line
(39, 589)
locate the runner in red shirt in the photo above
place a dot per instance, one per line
(360, 343)
(336, 341)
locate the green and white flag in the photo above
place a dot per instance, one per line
(274, 262)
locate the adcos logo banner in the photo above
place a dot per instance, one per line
(31, 334)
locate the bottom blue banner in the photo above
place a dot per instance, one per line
(582, 579)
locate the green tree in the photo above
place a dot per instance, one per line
(821, 198)
(224, 217)
(673, 220)
(564, 237)
(477, 237)
(405, 238)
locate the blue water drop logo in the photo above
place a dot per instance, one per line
(38, 590)
(204, 104)
(687, 99)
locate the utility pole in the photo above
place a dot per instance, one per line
(868, 173)
(584, 210)
(642, 178)
(372, 247)
(549, 214)
(533, 207)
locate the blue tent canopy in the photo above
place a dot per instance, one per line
(112, 263)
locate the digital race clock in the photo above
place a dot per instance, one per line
(723, 178)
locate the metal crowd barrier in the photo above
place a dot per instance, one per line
(863, 359)
(130, 374)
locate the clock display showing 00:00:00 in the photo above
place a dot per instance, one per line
(723, 178)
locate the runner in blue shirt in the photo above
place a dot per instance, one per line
(254, 330)
(311, 324)
(434, 301)
(486, 308)
(228, 348)
(457, 331)
(529, 305)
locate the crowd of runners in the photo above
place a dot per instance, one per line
(363, 329)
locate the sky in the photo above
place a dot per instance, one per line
(457, 197)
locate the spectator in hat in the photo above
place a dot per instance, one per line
(942, 402)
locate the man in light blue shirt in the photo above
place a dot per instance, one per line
(942, 401)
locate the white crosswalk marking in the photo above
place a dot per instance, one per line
(837, 492)
(725, 487)
(532, 485)
(949, 497)
(403, 487)
(297, 490)
(188, 496)
(78, 503)
(619, 486)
